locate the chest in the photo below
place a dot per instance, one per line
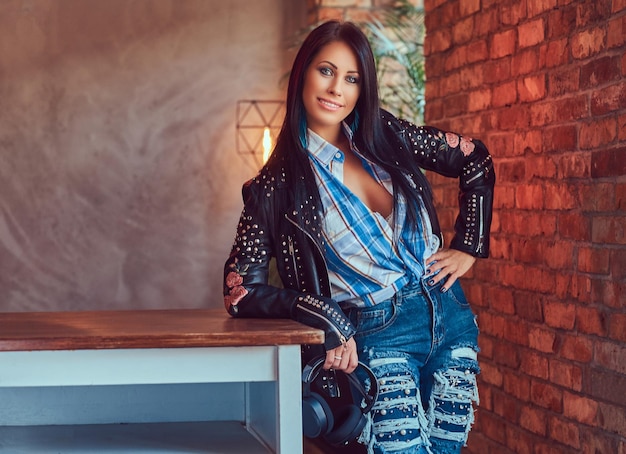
(363, 185)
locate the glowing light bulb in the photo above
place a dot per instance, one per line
(267, 144)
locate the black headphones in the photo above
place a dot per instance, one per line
(339, 425)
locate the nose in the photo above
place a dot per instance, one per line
(335, 88)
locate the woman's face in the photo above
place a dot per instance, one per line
(331, 89)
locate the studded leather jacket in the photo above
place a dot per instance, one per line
(277, 269)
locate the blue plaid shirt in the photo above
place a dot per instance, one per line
(369, 258)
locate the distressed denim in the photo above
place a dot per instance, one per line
(422, 346)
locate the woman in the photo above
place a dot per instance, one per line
(344, 209)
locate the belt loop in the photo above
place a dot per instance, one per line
(396, 301)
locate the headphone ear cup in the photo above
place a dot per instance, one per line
(317, 417)
(349, 422)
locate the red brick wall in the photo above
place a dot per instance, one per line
(542, 82)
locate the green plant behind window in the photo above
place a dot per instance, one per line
(397, 42)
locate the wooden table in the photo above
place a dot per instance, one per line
(146, 347)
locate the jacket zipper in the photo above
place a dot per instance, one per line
(342, 338)
(475, 177)
(333, 328)
(292, 253)
(481, 221)
(310, 238)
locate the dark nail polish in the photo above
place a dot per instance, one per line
(431, 282)
(444, 290)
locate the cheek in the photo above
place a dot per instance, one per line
(307, 91)
(311, 87)
(312, 82)
(308, 98)
(354, 96)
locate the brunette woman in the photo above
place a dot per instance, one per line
(344, 211)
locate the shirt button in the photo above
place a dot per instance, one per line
(338, 156)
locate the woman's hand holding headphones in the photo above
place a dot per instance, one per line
(343, 358)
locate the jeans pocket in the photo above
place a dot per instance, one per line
(374, 319)
(457, 295)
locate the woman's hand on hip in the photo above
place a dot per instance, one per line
(449, 264)
(343, 358)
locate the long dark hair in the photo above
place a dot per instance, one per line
(365, 121)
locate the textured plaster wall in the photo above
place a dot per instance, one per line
(119, 176)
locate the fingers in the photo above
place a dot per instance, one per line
(343, 358)
(334, 358)
(448, 264)
(353, 362)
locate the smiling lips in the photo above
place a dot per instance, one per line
(329, 104)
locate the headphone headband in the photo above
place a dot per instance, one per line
(313, 368)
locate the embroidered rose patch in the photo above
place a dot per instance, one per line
(236, 292)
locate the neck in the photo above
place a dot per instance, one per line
(335, 136)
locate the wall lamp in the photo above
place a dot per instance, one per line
(258, 125)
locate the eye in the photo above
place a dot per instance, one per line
(352, 79)
(326, 71)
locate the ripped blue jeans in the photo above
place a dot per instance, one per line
(422, 346)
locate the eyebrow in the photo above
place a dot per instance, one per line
(335, 66)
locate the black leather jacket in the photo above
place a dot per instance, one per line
(269, 238)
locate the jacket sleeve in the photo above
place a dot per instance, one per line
(247, 292)
(467, 159)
